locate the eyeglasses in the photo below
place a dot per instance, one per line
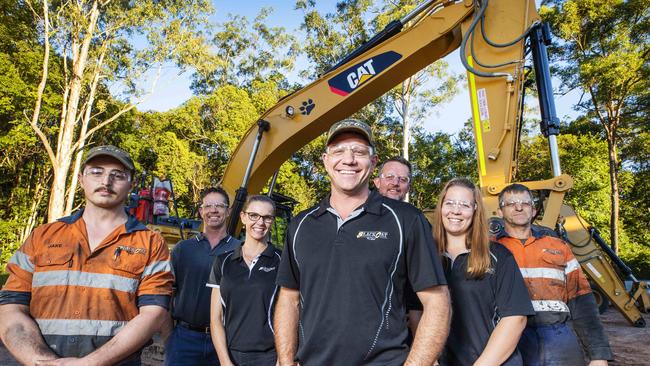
(359, 151)
(98, 174)
(392, 177)
(461, 205)
(214, 206)
(513, 203)
(255, 216)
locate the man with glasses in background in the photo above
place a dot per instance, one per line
(394, 178)
(190, 342)
(345, 266)
(559, 291)
(394, 181)
(91, 288)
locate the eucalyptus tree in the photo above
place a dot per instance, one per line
(603, 50)
(105, 44)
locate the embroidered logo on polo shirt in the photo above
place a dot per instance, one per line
(372, 235)
(267, 269)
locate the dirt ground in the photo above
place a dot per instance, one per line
(631, 345)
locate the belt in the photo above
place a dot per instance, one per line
(195, 328)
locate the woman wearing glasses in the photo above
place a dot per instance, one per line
(243, 291)
(490, 301)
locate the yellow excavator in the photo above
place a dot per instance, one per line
(495, 37)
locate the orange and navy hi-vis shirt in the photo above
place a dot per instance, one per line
(551, 272)
(81, 299)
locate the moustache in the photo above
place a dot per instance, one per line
(108, 189)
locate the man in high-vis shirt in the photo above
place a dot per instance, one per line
(91, 288)
(558, 289)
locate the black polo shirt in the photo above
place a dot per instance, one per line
(351, 275)
(191, 262)
(247, 297)
(478, 304)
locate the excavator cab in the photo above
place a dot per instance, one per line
(151, 206)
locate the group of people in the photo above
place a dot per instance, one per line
(363, 278)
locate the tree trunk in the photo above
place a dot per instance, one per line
(72, 190)
(405, 96)
(33, 213)
(614, 197)
(65, 150)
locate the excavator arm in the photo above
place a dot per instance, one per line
(494, 37)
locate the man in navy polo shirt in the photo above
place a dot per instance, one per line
(190, 342)
(345, 266)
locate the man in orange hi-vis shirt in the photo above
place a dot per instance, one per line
(558, 289)
(91, 288)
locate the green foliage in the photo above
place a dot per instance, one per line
(584, 157)
(3, 278)
(10, 241)
(245, 53)
(437, 158)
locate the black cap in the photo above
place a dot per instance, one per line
(351, 125)
(112, 151)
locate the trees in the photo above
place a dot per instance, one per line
(604, 50)
(101, 42)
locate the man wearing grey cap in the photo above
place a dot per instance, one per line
(345, 266)
(91, 288)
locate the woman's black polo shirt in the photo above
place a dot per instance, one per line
(247, 297)
(478, 304)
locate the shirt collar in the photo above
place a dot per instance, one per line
(372, 205)
(535, 231)
(200, 237)
(132, 223)
(237, 253)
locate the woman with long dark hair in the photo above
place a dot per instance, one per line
(243, 291)
(490, 301)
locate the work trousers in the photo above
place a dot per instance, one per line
(189, 347)
(550, 345)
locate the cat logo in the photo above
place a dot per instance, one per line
(363, 73)
(355, 76)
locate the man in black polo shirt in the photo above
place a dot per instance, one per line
(345, 265)
(190, 342)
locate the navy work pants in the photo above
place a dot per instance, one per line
(188, 347)
(550, 345)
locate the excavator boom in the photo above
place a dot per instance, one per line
(494, 37)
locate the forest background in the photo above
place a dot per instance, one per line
(71, 72)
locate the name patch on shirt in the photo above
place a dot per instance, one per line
(372, 235)
(553, 251)
(131, 250)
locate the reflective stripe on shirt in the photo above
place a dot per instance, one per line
(85, 279)
(80, 327)
(550, 273)
(550, 305)
(22, 260)
(156, 267)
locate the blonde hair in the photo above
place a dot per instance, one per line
(477, 239)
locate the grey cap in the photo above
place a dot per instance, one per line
(351, 125)
(112, 151)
